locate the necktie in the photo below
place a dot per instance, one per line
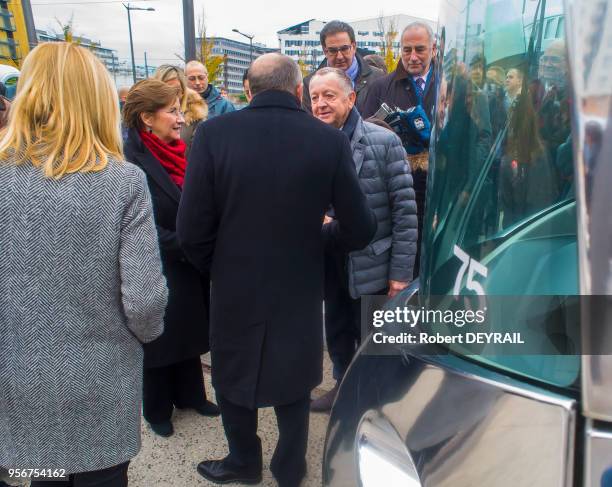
(420, 84)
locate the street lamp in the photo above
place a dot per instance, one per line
(128, 8)
(250, 38)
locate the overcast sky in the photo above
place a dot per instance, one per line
(160, 33)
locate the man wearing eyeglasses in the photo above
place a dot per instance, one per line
(340, 49)
(197, 80)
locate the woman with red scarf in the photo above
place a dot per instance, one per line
(173, 371)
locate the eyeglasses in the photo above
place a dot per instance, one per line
(176, 112)
(335, 50)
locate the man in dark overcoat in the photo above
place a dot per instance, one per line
(412, 85)
(258, 184)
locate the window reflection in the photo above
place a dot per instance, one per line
(503, 149)
(501, 184)
(504, 145)
(527, 180)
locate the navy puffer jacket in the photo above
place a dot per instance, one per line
(386, 180)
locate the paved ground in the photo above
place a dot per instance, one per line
(171, 462)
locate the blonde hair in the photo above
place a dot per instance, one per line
(196, 108)
(65, 117)
(167, 72)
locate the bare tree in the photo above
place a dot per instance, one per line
(204, 51)
(67, 28)
(303, 62)
(314, 58)
(388, 51)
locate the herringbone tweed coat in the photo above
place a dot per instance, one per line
(80, 288)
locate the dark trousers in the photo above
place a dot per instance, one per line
(289, 460)
(109, 477)
(180, 385)
(342, 315)
(342, 329)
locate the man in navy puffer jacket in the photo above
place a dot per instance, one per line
(386, 265)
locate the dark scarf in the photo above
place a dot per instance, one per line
(351, 123)
(171, 156)
(206, 92)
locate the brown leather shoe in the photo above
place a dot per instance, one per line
(324, 403)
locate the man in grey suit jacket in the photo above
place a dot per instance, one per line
(386, 265)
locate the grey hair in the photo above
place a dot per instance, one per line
(341, 76)
(284, 75)
(421, 25)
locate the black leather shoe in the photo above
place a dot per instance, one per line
(164, 428)
(219, 472)
(208, 409)
(324, 403)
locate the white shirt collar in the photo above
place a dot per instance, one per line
(424, 76)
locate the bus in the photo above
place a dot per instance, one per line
(9, 77)
(517, 208)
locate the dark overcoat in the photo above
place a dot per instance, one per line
(186, 320)
(396, 89)
(257, 187)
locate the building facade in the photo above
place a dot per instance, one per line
(14, 39)
(106, 55)
(302, 41)
(237, 58)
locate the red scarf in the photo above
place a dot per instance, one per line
(171, 156)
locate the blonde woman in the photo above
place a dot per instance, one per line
(193, 105)
(81, 286)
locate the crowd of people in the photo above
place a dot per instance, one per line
(108, 265)
(129, 254)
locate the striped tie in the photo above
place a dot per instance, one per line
(420, 84)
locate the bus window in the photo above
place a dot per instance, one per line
(560, 28)
(502, 185)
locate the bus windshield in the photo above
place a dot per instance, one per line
(501, 187)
